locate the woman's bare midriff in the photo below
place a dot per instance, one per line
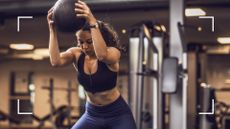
(103, 98)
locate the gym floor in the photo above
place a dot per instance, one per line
(26, 76)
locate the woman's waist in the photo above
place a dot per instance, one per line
(103, 98)
(114, 108)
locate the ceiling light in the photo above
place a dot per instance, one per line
(163, 28)
(27, 56)
(22, 46)
(158, 28)
(199, 28)
(191, 12)
(224, 40)
(42, 52)
(123, 31)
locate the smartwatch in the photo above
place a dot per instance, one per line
(94, 26)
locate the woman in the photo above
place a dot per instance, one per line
(97, 61)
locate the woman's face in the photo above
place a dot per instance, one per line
(85, 42)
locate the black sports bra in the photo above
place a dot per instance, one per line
(104, 79)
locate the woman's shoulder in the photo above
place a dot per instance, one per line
(76, 51)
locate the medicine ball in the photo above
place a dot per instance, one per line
(64, 17)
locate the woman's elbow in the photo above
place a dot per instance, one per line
(101, 57)
(55, 63)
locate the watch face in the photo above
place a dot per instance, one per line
(94, 25)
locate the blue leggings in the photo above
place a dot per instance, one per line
(116, 115)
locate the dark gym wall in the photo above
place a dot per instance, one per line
(218, 72)
(42, 73)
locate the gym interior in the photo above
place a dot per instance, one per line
(174, 71)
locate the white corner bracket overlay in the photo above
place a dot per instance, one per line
(18, 21)
(22, 113)
(209, 17)
(209, 113)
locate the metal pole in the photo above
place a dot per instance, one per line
(178, 101)
(52, 103)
